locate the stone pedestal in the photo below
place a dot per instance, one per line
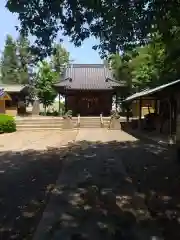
(67, 123)
(36, 108)
(114, 124)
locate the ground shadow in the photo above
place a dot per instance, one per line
(96, 191)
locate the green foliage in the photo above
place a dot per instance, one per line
(16, 61)
(25, 60)
(7, 124)
(121, 68)
(54, 113)
(9, 62)
(115, 23)
(115, 114)
(45, 79)
(119, 25)
(68, 114)
(144, 69)
(59, 59)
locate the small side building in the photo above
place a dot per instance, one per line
(14, 95)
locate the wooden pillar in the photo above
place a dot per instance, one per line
(155, 106)
(172, 118)
(140, 113)
(178, 128)
(127, 113)
(59, 103)
(65, 103)
(116, 100)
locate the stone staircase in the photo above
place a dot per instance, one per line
(106, 122)
(90, 122)
(56, 123)
(41, 123)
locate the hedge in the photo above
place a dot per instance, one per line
(7, 124)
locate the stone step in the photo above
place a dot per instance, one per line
(42, 129)
(41, 121)
(90, 126)
(38, 125)
(90, 122)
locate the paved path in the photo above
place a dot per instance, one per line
(94, 198)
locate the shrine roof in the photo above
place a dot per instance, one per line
(89, 77)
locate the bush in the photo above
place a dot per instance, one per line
(7, 124)
(49, 113)
(68, 114)
(115, 114)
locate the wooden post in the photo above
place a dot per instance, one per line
(65, 103)
(116, 100)
(173, 114)
(178, 129)
(170, 120)
(155, 106)
(127, 114)
(59, 104)
(140, 113)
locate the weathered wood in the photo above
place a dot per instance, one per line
(89, 103)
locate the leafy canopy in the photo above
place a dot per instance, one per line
(147, 68)
(118, 24)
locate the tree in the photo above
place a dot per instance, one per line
(45, 79)
(17, 61)
(145, 67)
(59, 59)
(9, 62)
(121, 68)
(25, 60)
(118, 24)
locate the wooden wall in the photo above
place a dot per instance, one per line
(88, 103)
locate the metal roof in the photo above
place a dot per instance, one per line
(150, 91)
(12, 87)
(88, 77)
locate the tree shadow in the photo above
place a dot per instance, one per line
(100, 193)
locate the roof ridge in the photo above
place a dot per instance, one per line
(84, 65)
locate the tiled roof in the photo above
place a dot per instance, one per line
(87, 77)
(12, 87)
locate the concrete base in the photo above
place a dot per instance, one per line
(67, 124)
(114, 124)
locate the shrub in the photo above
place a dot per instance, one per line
(115, 114)
(7, 124)
(68, 114)
(48, 113)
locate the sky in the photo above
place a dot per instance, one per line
(84, 54)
